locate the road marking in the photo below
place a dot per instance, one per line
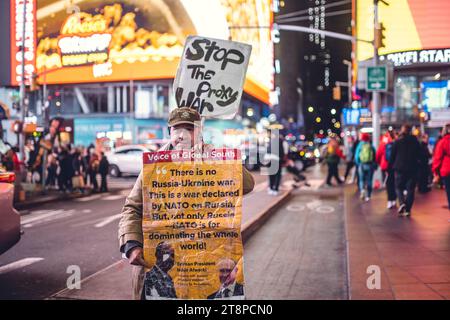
(325, 209)
(19, 264)
(39, 215)
(295, 207)
(113, 197)
(108, 220)
(47, 218)
(89, 198)
(314, 204)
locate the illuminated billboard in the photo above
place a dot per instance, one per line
(23, 10)
(412, 26)
(86, 41)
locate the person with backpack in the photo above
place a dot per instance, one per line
(405, 160)
(333, 156)
(383, 156)
(365, 160)
(441, 161)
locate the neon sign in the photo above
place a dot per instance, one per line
(17, 41)
(84, 40)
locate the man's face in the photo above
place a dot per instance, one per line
(166, 258)
(183, 136)
(227, 272)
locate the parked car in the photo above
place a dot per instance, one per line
(128, 159)
(9, 217)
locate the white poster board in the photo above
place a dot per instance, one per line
(211, 75)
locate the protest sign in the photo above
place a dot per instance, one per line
(192, 209)
(211, 75)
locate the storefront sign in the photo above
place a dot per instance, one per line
(17, 41)
(211, 76)
(418, 56)
(192, 214)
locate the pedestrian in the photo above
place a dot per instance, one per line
(365, 161)
(405, 159)
(94, 164)
(185, 133)
(424, 173)
(77, 179)
(52, 167)
(65, 170)
(350, 149)
(383, 156)
(103, 170)
(441, 161)
(333, 156)
(85, 161)
(275, 154)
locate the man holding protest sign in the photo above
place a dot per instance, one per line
(184, 124)
(200, 225)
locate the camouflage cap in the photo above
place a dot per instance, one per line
(184, 115)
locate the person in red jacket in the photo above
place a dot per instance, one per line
(441, 160)
(382, 159)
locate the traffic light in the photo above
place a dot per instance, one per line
(34, 84)
(337, 93)
(379, 36)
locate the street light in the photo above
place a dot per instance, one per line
(318, 120)
(310, 109)
(333, 111)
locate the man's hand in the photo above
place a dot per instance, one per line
(136, 257)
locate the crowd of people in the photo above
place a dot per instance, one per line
(405, 160)
(75, 169)
(67, 169)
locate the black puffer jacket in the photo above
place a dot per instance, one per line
(406, 154)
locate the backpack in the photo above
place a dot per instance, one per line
(366, 153)
(388, 152)
(331, 156)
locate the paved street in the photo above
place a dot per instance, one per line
(80, 232)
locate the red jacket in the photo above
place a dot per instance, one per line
(441, 158)
(380, 157)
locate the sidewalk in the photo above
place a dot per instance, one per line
(413, 253)
(114, 282)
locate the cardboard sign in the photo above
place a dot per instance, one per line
(192, 209)
(210, 77)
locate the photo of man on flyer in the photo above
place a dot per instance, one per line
(158, 283)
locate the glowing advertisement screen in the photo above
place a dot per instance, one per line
(86, 41)
(411, 25)
(436, 94)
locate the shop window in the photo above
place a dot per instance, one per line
(144, 106)
(406, 92)
(162, 100)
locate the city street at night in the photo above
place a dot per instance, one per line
(237, 158)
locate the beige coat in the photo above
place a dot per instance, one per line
(130, 225)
